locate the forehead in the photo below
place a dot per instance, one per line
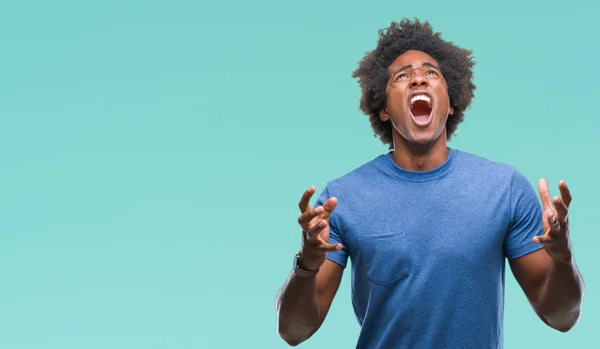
(412, 57)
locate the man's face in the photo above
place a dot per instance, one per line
(417, 98)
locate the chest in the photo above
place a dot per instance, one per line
(427, 228)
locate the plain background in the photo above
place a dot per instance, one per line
(153, 154)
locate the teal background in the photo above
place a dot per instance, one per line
(153, 154)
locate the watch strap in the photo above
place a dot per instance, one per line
(298, 270)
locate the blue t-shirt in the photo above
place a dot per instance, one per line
(428, 249)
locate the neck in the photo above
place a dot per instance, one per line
(419, 157)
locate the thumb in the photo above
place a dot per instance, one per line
(329, 206)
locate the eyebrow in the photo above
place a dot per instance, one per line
(406, 66)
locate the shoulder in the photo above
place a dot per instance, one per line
(350, 187)
(496, 174)
(486, 168)
(359, 176)
(480, 163)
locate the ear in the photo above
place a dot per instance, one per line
(383, 115)
(451, 111)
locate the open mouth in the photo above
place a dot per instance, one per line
(420, 107)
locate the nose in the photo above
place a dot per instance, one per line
(418, 80)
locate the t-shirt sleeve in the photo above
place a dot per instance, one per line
(335, 237)
(526, 219)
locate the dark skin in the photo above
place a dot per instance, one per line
(417, 147)
(303, 302)
(548, 277)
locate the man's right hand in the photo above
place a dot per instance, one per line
(315, 231)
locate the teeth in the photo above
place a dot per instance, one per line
(420, 98)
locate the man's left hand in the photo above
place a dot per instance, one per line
(555, 222)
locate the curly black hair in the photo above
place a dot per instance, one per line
(455, 63)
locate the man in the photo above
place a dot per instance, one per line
(427, 227)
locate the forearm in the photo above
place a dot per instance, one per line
(561, 295)
(298, 315)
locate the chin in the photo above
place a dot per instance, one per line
(422, 140)
(424, 137)
(418, 135)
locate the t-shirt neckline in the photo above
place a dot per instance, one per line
(420, 176)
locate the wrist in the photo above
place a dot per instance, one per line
(564, 260)
(307, 266)
(304, 262)
(562, 254)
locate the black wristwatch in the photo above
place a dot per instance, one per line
(301, 271)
